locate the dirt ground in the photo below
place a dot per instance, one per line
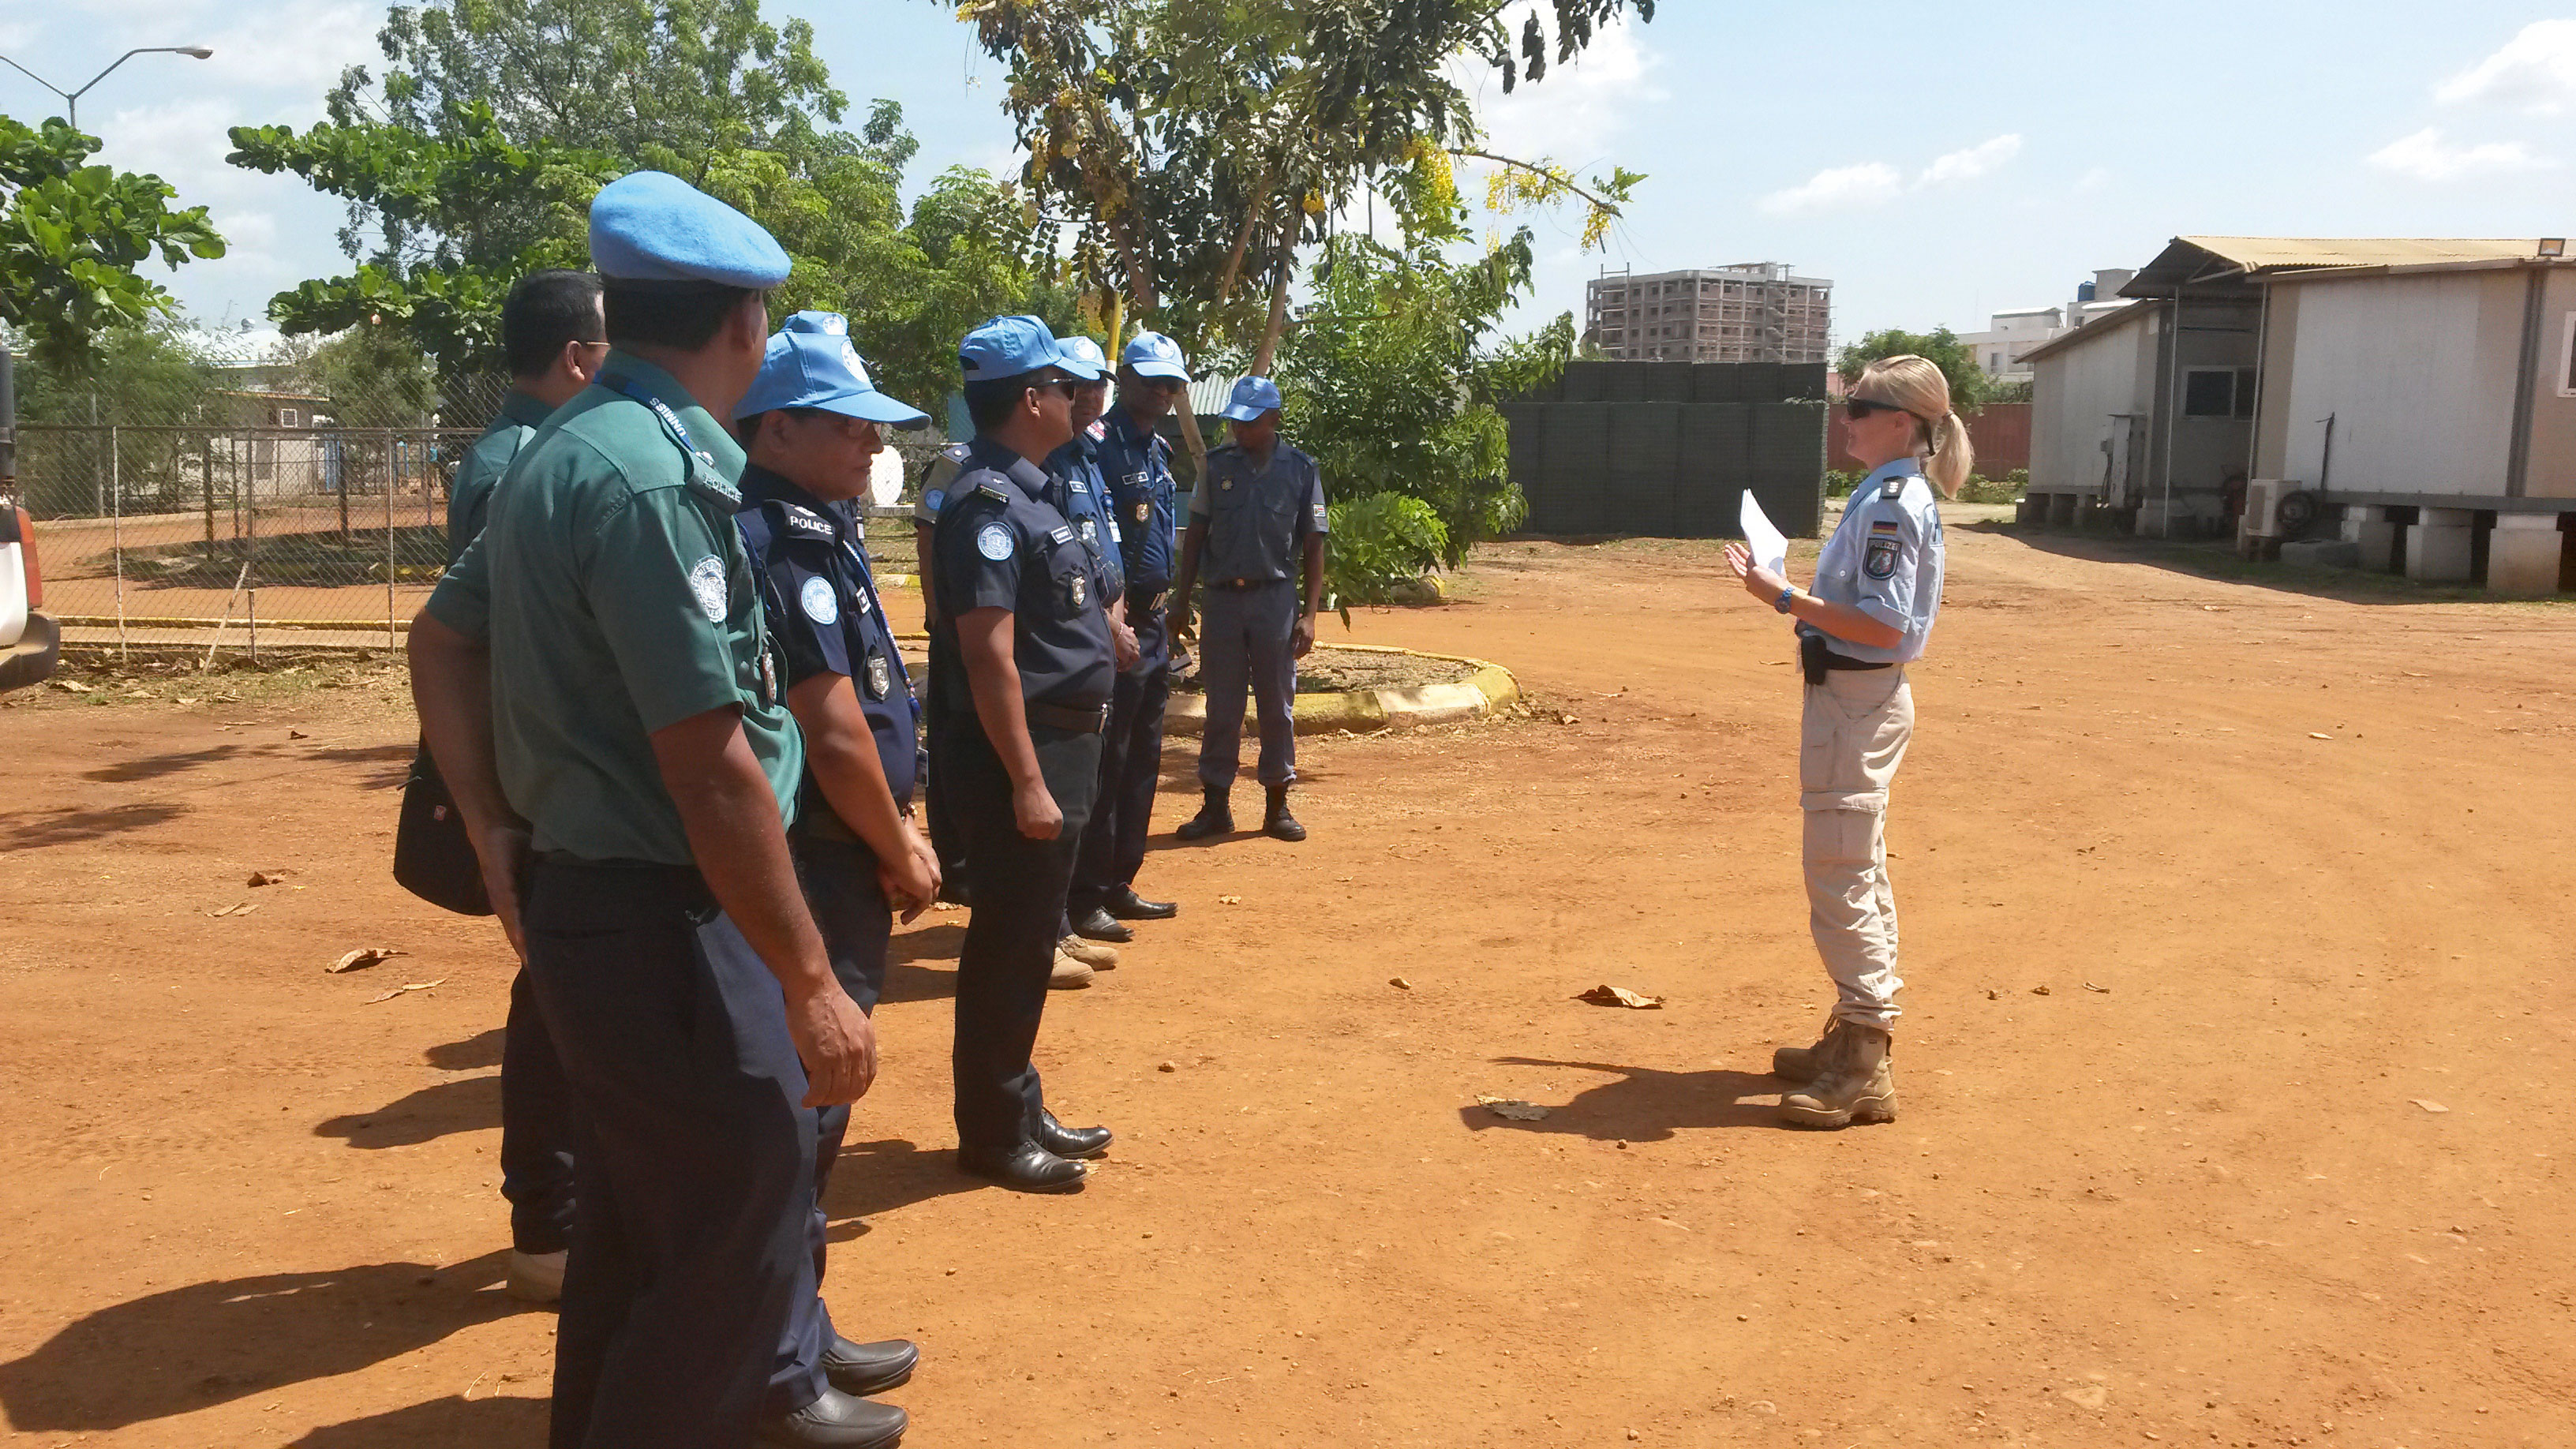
(2226, 1073)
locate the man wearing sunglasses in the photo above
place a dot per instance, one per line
(1023, 654)
(1137, 465)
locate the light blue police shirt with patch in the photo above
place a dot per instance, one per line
(1884, 559)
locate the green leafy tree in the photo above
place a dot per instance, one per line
(153, 374)
(1391, 381)
(472, 159)
(71, 235)
(1970, 387)
(450, 219)
(1202, 146)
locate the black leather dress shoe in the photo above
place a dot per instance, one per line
(836, 1421)
(1098, 925)
(1126, 905)
(861, 1369)
(1025, 1168)
(1071, 1142)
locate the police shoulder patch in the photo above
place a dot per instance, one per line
(994, 542)
(1879, 561)
(818, 601)
(806, 523)
(935, 499)
(707, 583)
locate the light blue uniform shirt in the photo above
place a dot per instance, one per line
(1885, 560)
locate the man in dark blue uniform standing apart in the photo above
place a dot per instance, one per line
(597, 681)
(813, 424)
(1028, 662)
(1137, 465)
(1256, 517)
(553, 339)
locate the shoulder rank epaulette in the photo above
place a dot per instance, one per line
(1893, 487)
(955, 451)
(992, 492)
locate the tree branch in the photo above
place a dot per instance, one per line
(1565, 180)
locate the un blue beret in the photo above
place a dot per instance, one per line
(650, 226)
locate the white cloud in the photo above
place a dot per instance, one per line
(1840, 186)
(1575, 114)
(1975, 161)
(2425, 156)
(2536, 70)
(1873, 182)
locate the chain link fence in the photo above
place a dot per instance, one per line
(242, 520)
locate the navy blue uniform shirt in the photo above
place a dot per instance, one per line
(1258, 518)
(1001, 545)
(1142, 498)
(1075, 488)
(823, 608)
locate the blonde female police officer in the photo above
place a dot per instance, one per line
(1877, 589)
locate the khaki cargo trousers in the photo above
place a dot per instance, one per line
(1851, 739)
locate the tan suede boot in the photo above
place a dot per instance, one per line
(1856, 1085)
(1098, 955)
(1805, 1064)
(1068, 974)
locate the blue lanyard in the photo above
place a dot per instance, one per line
(671, 423)
(868, 585)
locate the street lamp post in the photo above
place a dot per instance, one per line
(71, 99)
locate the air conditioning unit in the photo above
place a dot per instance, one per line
(2276, 510)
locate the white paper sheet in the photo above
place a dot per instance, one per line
(1770, 548)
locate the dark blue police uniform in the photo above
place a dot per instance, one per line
(1001, 544)
(823, 606)
(1144, 504)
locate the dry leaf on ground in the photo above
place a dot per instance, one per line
(2430, 1106)
(1513, 1108)
(399, 990)
(238, 908)
(1607, 995)
(266, 878)
(363, 957)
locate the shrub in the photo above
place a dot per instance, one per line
(1380, 544)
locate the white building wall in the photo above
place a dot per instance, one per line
(2417, 374)
(2075, 394)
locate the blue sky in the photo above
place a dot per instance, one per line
(1938, 162)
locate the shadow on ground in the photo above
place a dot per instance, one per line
(486, 1423)
(875, 1178)
(1645, 1104)
(466, 1104)
(209, 1343)
(2219, 563)
(66, 827)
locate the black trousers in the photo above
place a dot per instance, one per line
(1131, 769)
(690, 1262)
(536, 1129)
(938, 802)
(850, 909)
(1013, 927)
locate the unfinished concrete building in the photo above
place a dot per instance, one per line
(1754, 312)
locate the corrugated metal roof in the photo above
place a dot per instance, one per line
(2190, 259)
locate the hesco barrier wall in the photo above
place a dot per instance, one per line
(1668, 449)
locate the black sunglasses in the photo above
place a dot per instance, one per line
(1857, 408)
(1064, 384)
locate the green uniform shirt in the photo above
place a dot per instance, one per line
(469, 498)
(617, 598)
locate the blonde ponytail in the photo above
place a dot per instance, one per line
(1917, 385)
(1952, 455)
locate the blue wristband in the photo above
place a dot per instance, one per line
(1786, 595)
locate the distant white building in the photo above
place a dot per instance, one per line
(2012, 336)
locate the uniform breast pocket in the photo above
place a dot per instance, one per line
(1069, 586)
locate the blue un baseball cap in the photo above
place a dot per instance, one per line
(1252, 397)
(1008, 346)
(650, 226)
(1154, 355)
(811, 364)
(1085, 351)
